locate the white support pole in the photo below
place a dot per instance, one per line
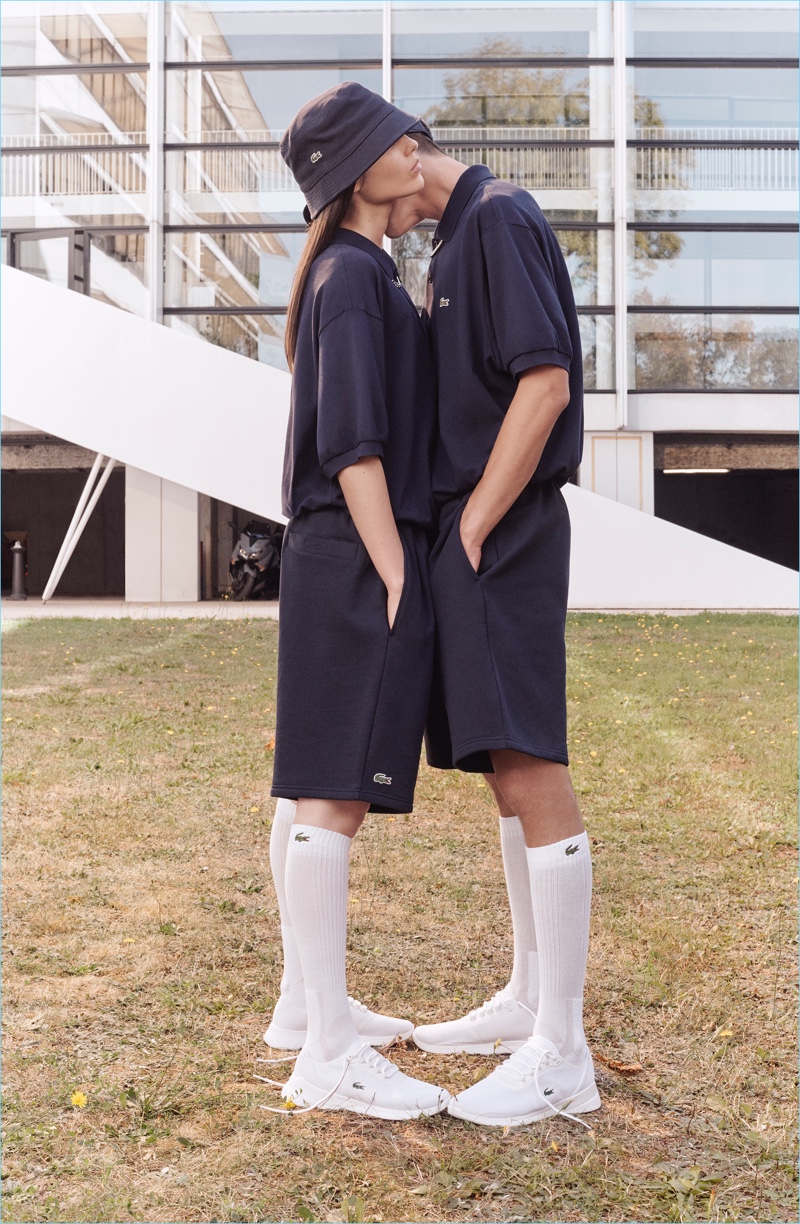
(82, 500)
(387, 50)
(156, 82)
(60, 566)
(620, 212)
(386, 81)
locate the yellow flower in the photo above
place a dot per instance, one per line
(254, 809)
(593, 753)
(79, 1099)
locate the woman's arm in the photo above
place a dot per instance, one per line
(364, 487)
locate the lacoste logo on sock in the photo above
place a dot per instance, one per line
(301, 837)
(357, 1085)
(572, 849)
(384, 781)
(444, 301)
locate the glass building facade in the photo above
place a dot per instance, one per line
(141, 164)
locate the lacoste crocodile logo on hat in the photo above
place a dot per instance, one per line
(316, 156)
(572, 849)
(444, 301)
(301, 837)
(384, 781)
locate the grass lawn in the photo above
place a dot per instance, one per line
(142, 956)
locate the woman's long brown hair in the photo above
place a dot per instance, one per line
(320, 235)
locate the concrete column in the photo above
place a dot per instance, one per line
(619, 466)
(161, 540)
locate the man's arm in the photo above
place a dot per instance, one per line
(542, 395)
(367, 495)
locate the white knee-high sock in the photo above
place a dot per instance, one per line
(525, 973)
(561, 894)
(317, 867)
(290, 1011)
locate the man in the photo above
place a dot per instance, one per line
(505, 337)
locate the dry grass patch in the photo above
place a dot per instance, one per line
(142, 961)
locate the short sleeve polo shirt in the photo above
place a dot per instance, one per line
(363, 384)
(499, 303)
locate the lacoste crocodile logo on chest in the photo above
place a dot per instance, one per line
(444, 302)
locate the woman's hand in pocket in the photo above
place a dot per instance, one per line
(394, 594)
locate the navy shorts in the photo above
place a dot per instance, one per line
(352, 694)
(500, 667)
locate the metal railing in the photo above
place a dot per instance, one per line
(511, 153)
(63, 173)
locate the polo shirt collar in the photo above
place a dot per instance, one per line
(351, 238)
(464, 188)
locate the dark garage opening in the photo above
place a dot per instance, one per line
(42, 503)
(752, 509)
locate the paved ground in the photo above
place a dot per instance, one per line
(105, 608)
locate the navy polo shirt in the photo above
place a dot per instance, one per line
(500, 302)
(363, 384)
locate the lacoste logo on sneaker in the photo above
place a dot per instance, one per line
(384, 781)
(444, 301)
(301, 837)
(548, 1092)
(357, 1085)
(572, 849)
(316, 156)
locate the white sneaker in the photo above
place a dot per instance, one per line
(288, 1028)
(363, 1082)
(499, 1026)
(534, 1084)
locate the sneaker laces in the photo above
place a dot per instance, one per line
(502, 1001)
(365, 1055)
(536, 1060)
(356, 1005)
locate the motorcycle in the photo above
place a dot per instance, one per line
(255, 561)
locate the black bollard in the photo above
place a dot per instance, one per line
(18, 574)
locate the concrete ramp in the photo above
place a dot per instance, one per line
(201, 417)
(179, 408)
(622, 558)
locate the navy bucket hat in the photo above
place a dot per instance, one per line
(337, 136)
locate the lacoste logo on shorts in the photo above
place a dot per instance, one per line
(444, 301)
(384, 781)
(572, 849)
(316, 156)
(301, 837)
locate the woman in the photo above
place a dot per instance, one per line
(356, 623)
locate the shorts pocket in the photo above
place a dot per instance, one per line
(404, 592)
(323, 546)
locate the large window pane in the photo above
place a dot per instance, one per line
(230, 184)
(713, 352)
(259, 337)
(231, 269)
(444, 30)
(688, 28)
(731, 102)
(714, 184)
(104, 106)
(713, 269)
(108, 33)
(260, 30)
(248, 105)
(487, 96)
